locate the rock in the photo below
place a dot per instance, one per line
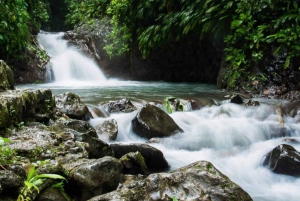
(133, 163)
(53, 194)
(32, 63)
(236, 99)
(33, 143)
(108, 130)
(151, 122)
(154, 158)
(201, 61)
(292, 140)
(24, 105)
(283, 159)
(6, 77)
(83, 132)
(95, 176)
(197, 181)
(121, 106)
(251, 103)
(10, 182)
(4, 117)
(70, 104)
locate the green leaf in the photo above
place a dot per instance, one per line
(236, 23)
(287, 63)
(51, 176)
(31, 173)
(295, 4)
(277, 50)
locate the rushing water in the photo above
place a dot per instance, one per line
(68, 65)
(233, 137)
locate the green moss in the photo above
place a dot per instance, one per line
(4, 117)
(4, 84)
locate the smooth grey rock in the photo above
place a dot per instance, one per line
(151, 122)
(283, 159)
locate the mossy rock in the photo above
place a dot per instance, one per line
(4, 82)
(134, 163)
(4, 116)
(10, 76)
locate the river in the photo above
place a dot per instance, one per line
(233, 137)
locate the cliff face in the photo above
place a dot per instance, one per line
(186, 61)
(31, 64)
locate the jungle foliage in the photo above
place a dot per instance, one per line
(18, 20)
(251, 30)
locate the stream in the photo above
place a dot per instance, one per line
(233, 137)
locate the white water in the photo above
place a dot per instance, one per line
(232, 137)
(69, 65)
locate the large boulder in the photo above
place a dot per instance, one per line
(283, 159)
(197, 181)
(151, 122)
(4, 117)
(95, 176)
(83, 132)
(154, 158)
(70, 104)
(22, 105)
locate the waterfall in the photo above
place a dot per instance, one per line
(68, 65)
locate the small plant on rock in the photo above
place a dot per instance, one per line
(6, 154)
(33, 181)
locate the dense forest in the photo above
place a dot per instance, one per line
(251, 34)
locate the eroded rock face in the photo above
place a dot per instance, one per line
(151, 122)
(201, 61)
(70, 104)
(197, 181)
(96, 176)
(154, 158)
(283, 159)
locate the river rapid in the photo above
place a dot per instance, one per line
(233, 137)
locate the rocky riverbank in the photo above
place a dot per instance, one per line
(51, 134)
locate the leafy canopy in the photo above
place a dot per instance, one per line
(18, 20)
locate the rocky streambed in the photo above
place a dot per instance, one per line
(53, 134)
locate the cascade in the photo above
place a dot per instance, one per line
(68, 65)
